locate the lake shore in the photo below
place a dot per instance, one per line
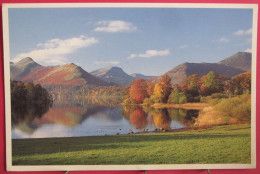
(195, 106)
(227, 143)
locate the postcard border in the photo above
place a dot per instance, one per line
(6, 50)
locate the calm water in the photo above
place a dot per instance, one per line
(73, 120)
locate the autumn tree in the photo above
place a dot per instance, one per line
(138, 90)
(177, 97)
(163, 88)
(212, 84)
(240, 84)
(191, 85)
(150, 88)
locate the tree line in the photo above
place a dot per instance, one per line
(191, 89)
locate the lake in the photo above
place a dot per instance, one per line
(90, 118)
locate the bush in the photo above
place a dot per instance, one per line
(147, 101)
(213, 99)
(182, 99)
(129, 101)
(155, 99)
(236, 109)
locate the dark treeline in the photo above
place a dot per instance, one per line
(28, 101)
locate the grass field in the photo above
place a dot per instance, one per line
(221, 144)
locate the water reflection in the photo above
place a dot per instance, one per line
(68, 119)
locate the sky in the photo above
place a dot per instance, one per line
(150, 41)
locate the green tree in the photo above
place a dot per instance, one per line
(213, 83)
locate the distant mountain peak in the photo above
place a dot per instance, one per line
(26, 59)
(240, 60)
(138, 75)
(112, 74)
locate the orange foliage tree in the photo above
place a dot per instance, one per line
(240, 84)
(138, 90)
(162, 89)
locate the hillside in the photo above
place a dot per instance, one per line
(22, 68)
(229, 67)
(113, 75)
(137, 75)
(69, 74)
(240, 60)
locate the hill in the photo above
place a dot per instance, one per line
(137, 75)
(113, 75)
(240, 60)
(22, 68)
(69, 74)
(229, 67)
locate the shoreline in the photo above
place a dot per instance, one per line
(195, 106)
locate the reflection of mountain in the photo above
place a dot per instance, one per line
(62, 116)
(109, 114)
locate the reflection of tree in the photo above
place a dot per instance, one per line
(186, 117)
(27, 113)
(161, 118)
(28, 101)
(138, 118)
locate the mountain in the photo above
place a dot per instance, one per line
(229, 67)
(22, 68)
(240, 60)
(137, 75)
(69, 74)
(113, 75)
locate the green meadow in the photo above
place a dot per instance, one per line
(215, 145)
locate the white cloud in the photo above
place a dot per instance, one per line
(54, 51)
(115, 26)
(249, 50)
(224, 40)
(106, 62)
(243, 32)
(150, 53)
(183, 46)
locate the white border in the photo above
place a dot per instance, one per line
(9, 165)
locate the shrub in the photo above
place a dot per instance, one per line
(236, 109)
(155, 99)
(129, 101)
(214, 98)
(147, 101)
(183, 99)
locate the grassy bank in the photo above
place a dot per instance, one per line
(221, 144)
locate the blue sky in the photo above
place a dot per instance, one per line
(150, 41)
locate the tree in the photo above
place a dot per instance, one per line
(240, 84)
(138, 90)
(177, 97)
(212, 84)
(191, 85)
(150, 88)
(163, 88)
